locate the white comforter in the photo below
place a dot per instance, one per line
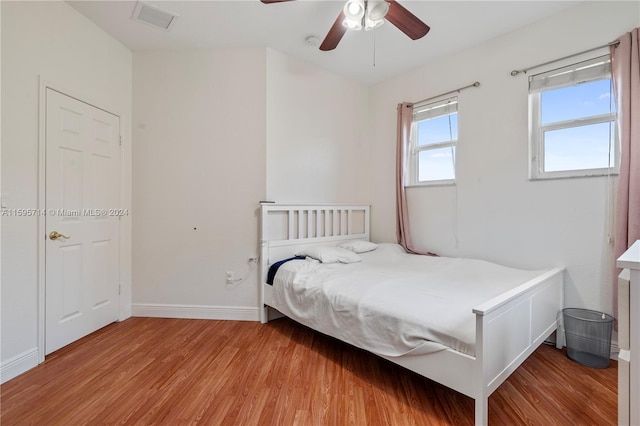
(393, 303)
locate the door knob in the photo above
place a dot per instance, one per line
(54, 235)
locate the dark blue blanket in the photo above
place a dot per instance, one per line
(274, 268)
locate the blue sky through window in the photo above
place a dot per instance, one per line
(583, 146)
(436, 130)
(591, 143)
(582, 100)
(438, 163)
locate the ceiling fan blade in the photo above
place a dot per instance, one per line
(274, 1)
(406, 21)
(335, 34)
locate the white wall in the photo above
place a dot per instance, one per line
(52, 41)
(317, 134)
(494, 212)
(199, 174)
(215, 132)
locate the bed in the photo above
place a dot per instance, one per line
(470, 345)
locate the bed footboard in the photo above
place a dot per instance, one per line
(509, 328)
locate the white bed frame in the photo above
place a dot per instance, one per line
(509, 327)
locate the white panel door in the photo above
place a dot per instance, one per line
(82, 191)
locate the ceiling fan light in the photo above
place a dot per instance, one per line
(377, 9)
(371, 24)
(352, 24)
(354, 10)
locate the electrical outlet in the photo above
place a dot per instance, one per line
(229, 277)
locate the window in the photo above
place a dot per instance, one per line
(434, 134)
(572, 121)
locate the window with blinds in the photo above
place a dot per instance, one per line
(572, 121)
(434, 136)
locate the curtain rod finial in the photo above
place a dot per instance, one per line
(476, 84)
(514, 73)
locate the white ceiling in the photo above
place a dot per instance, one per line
(455, 25)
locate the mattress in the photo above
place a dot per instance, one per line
(393, 303)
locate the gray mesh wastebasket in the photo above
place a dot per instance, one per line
(588, 336)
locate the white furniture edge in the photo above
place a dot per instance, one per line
(509, 327)
(630, 259)
(629, 360)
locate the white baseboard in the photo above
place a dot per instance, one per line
(18, 365)
(615, 351)
(195, 312)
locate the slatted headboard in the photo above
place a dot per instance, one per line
(286, 229)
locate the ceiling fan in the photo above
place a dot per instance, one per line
(370, 14)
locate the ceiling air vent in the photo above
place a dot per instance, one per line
(154, 16)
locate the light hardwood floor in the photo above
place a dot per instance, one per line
(176, 371)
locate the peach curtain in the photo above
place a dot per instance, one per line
(405, 118)
(625, 71)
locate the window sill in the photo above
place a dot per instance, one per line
(565, 175)
(431, 184)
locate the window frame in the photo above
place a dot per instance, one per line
(537, 132)
(414, 150)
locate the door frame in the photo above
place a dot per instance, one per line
(124, 224)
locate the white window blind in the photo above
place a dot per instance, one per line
(591, 70)
(435, 109)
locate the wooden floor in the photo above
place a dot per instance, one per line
(175, 371)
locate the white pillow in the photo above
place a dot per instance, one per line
(326, 254)
(358, 246)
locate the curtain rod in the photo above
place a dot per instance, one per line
(475, 84)
(524, 70)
